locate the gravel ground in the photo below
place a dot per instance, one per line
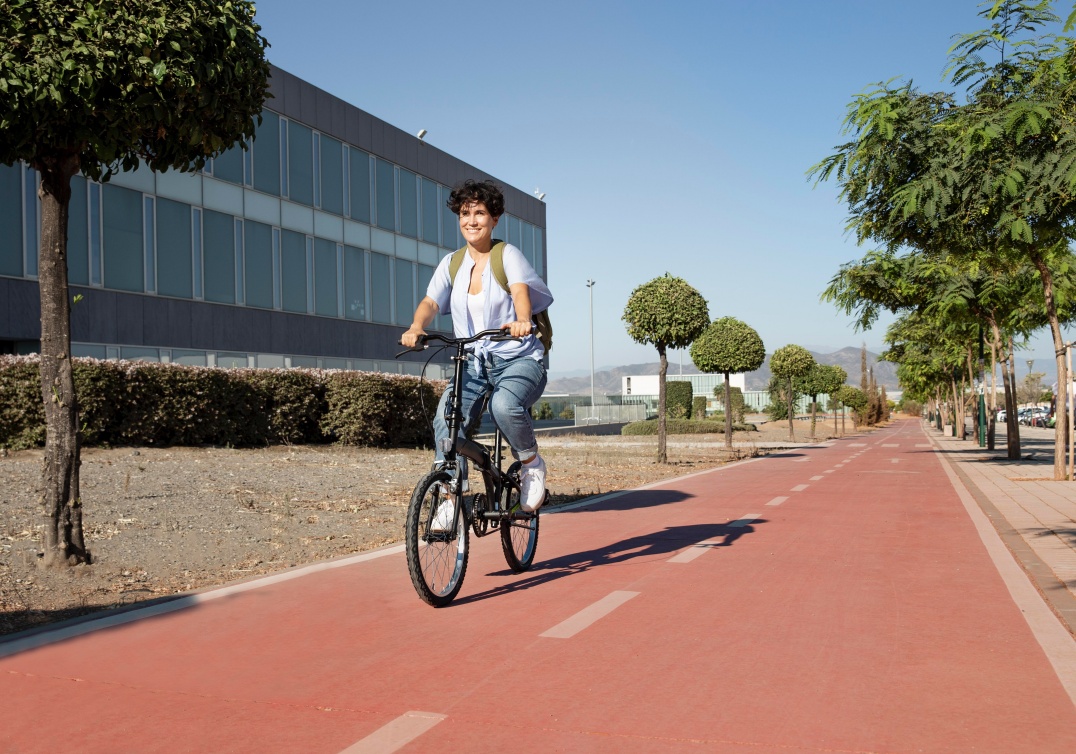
(164, 521)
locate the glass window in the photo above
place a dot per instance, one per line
(408, 203)
(258, 264)
(450, 223)
(267, 154)
(293, 271)
(174, 249)
(334, 363)
(325, 301)
(360, 185)
(528, 242)
(218, 256)
(229, 165)
(240, 277)
(300, 164)
(332, 175)
(354, 283)
(32, 220)
(423, 275)
(190, 358)
(309, 362)
(232, 360)
(405, 292)
(386, 195)
(149, 235)
(135, 353)
(11, 220)
(380, 288)
(123, 238)
(87, 350)
(514, 230)
(539, 257)
(78, 252)
(431, 211)
(95, 233)
(196, 249)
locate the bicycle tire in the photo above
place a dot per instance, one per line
(436, 561)
(519, 537)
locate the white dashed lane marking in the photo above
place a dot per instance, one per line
(394, 735)
(777, 500)
(817, 478)
(686, 556)
(589, 615)
(745, 519)
(800, 487)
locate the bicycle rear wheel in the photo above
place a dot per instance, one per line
(519, 536)
(436, 560)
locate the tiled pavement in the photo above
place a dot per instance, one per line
(1035, 516)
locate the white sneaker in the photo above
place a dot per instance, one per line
(532, 481)
(443, 518)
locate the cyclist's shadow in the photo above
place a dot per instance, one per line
(657, 545)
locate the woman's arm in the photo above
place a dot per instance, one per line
(521, 300)
(425, 312)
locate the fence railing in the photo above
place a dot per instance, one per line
(609, 414)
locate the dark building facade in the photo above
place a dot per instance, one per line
(311, 248)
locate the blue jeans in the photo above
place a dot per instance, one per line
(513, 385)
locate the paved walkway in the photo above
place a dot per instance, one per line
(1034, 515)
(848, 597)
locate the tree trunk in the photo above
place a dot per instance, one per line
(975, 429)
(662, 457)
(991, 419)
(1061, 416)
(791, 413)
(1012, 414)
(61, 506)
(833, 407)
(844, 410)
(814, 414)
(728, 413)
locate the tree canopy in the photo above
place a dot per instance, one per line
(731, 347)
(668, 313)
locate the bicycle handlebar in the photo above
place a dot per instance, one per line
(497, 335)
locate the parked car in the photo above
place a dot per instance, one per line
(1002, 415)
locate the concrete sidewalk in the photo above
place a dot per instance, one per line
(1034, 515)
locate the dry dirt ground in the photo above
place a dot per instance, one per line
(160, 521)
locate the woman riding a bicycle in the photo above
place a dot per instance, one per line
(510, 372)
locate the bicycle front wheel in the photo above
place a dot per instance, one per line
(436, 554)
(519, 536)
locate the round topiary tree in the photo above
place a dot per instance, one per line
(96, 86)
(833, 377)
(852, 397)
(728, 346)
(822, 378)
(668, 313)
(787, 364)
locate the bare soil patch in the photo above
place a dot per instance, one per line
(161, 521)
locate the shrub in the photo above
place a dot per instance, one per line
(678, 399)
(568, 412)
(22, 417)
(737, 401)
(698, 407)
(145, 403)
(381, 410)
(545, 411)
(682, 427)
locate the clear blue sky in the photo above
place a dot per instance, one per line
(669, 137)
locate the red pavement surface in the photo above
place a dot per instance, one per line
(863, 614)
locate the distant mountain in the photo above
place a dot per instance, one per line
(608, 381)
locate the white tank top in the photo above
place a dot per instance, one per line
(476, 308)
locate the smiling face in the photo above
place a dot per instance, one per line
(477, 224)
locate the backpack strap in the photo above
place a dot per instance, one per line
(496, 264)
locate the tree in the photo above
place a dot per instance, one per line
(853, 398)
(789, 363)
(998, 166)
(728, 346)
(821, 378)
(1031, 391)
(831, 380)
(668, 313)
(95, 87)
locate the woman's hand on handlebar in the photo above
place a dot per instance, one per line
(518, 329)
(413, 337)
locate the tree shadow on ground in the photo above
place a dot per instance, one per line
(655, 545)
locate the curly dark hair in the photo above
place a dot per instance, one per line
(485, 192)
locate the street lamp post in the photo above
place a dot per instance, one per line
(590, 287)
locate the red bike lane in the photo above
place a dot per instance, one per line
(829, 599)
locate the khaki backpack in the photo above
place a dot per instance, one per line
(496, 264)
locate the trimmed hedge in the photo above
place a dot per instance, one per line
(683, 427)
(145, 403)
(698, 407)
(677, 399)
